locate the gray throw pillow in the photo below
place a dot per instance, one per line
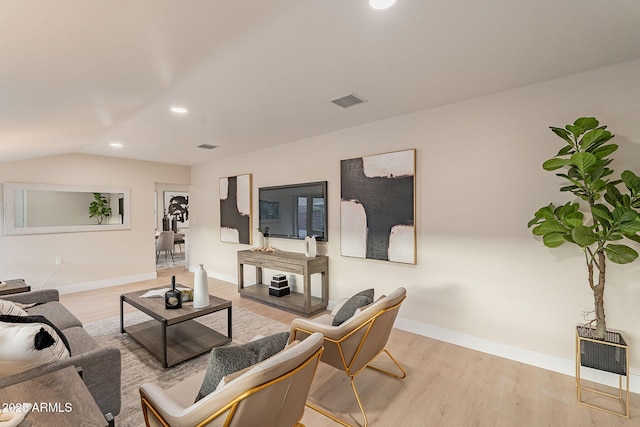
(349, 308)
(229, 359)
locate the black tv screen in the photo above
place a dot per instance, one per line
(294, 211)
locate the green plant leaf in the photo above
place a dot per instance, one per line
(587, 123)
(555, 163)
(601, 212)
(562, 134)
(583, 161)
(620, 254)
(595, 138)
(567, 149)
(550, 226)
(553, 240)
(624, 214)
(605, 150)
(576, 131)
(583, 236)
(632, 181)
(630, 228)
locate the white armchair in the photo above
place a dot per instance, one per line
(353, 345)
(272, 393)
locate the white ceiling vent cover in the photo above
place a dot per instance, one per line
(349, 100)
(207, 146)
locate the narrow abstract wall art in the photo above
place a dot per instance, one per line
(176, 206)
(235, 209)
(377, 207)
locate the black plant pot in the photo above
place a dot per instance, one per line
(609, 355)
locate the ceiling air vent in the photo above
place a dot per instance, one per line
(349, 100)
(207, 146)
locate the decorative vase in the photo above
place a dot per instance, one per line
(174, 224)
(165, 223)
(200, 288)
(311, 247)
(260, 239)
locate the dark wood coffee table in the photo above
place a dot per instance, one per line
(62, 399)
(14, 286)
(173, 336)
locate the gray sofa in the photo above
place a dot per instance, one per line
(100, 366)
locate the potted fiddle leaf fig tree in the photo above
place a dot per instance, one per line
(99, 208)
(604, 213)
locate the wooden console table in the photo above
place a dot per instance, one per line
(290, 262)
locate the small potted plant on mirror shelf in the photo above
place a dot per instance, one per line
(99, 208)
(601, 219)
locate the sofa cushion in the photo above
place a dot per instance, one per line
(11, 308)
(27, 342)
(349, 308)
(229, 359)
(55, 312)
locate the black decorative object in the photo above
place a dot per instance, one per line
(173, 297)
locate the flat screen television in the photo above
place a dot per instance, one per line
(294, 211)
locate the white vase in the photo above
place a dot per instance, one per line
(311, 247)
(200, 288)
(259, 239)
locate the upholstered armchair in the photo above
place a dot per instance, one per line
(271, 393)
(354, 344)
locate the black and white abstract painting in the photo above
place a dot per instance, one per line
(377, 207)
(235, 209)
(176, 205)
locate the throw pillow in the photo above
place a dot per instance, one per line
(229, 359)
(10, 308)
(349, 308)
(28, 342)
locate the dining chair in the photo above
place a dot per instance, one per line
(165, 244)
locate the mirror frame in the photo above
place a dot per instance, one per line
(9, 189)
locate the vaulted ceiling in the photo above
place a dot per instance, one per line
(76, 75)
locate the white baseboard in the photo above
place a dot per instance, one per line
(530, 357)
(215, 275)
(87, 286)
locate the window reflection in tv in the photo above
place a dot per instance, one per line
(294, 211)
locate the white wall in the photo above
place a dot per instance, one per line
(90, 259)
(480, 274)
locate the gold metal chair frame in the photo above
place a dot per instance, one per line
(347, 367)
(619, 396)
(233, 405)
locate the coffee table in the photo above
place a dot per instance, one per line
(172, 335)
(14, 286)
(62, 399)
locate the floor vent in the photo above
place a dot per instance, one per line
(349, 100)
(207, 146)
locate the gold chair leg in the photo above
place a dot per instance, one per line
(355, 391)
(338, 420)
(391, 374)
(327, 414)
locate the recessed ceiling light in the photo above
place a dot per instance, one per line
(116, 145)
(381, 4)
(180, 110)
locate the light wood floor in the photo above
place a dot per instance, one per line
(446, 385)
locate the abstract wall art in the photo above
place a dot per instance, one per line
(235, 209)
(176, 206)
(377, 207)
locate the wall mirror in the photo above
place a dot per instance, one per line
(46, 208)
